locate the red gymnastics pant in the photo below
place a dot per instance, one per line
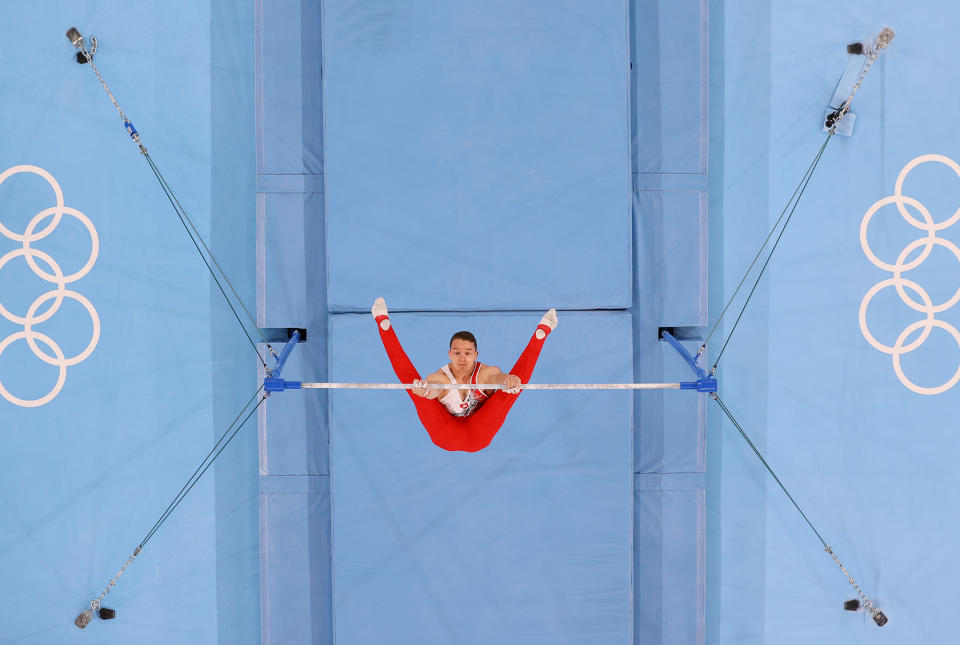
(450, 432)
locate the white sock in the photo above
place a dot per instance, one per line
(550, 319)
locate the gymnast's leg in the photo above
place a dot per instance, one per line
(443, 428)
(481, 427)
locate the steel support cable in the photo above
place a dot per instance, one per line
(750, 443)
(77, 39)
(875, 612)
(803, 188)
(86, 615)
(205, 469)
(872, 55)
(84, 618)
(181, 211)
(756, 257)
(195, 476)
(173, 203)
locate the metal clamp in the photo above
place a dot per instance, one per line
(271, 385)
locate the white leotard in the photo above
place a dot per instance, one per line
(463, 407)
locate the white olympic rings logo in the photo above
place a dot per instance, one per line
(55, 276)
(926, 305)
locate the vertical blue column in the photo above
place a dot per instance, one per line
(295, 548)
(669, 91)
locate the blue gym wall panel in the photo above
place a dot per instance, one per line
(281, 259)
(669, 48)
(669, 585)
(672, 424)
(289, 91)
(477, 143)
(669, 75)
(672, 236)
(295, 559)
(293, 429)
(296, 592)
(526, 541)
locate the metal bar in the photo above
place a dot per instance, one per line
(485, 386)
(284, 353)
(691, 361)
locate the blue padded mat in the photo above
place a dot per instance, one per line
(477, 143)
(527, 540)
(669, 126)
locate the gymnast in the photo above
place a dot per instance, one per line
(456, 419)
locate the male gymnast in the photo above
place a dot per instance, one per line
(457, 419)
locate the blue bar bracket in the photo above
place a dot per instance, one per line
(704, 382)
(272, 381)
(702, 385)
(271, 385)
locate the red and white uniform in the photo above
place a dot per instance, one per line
(457, 431)
(463, 407)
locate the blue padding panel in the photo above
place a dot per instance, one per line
(295, 510)
(526, 541)
(672, 229)
(475, 144)
(669, 52)
(289, 115)
(672, 437)
(295, 560)
(670, 86)
(668, 569)
(281, 257)
(293, 424)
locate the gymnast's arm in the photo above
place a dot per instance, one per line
(491, 374)
(437, 377)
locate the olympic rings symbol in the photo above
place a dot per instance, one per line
(925, 305)
(50, 273)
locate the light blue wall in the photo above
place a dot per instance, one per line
(869, 461)
(87, 474)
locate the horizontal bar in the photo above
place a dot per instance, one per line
(484, 386)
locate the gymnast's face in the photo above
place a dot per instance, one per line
(463, 354)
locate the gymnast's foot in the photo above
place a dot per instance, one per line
(547, 324)
(380, 313)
